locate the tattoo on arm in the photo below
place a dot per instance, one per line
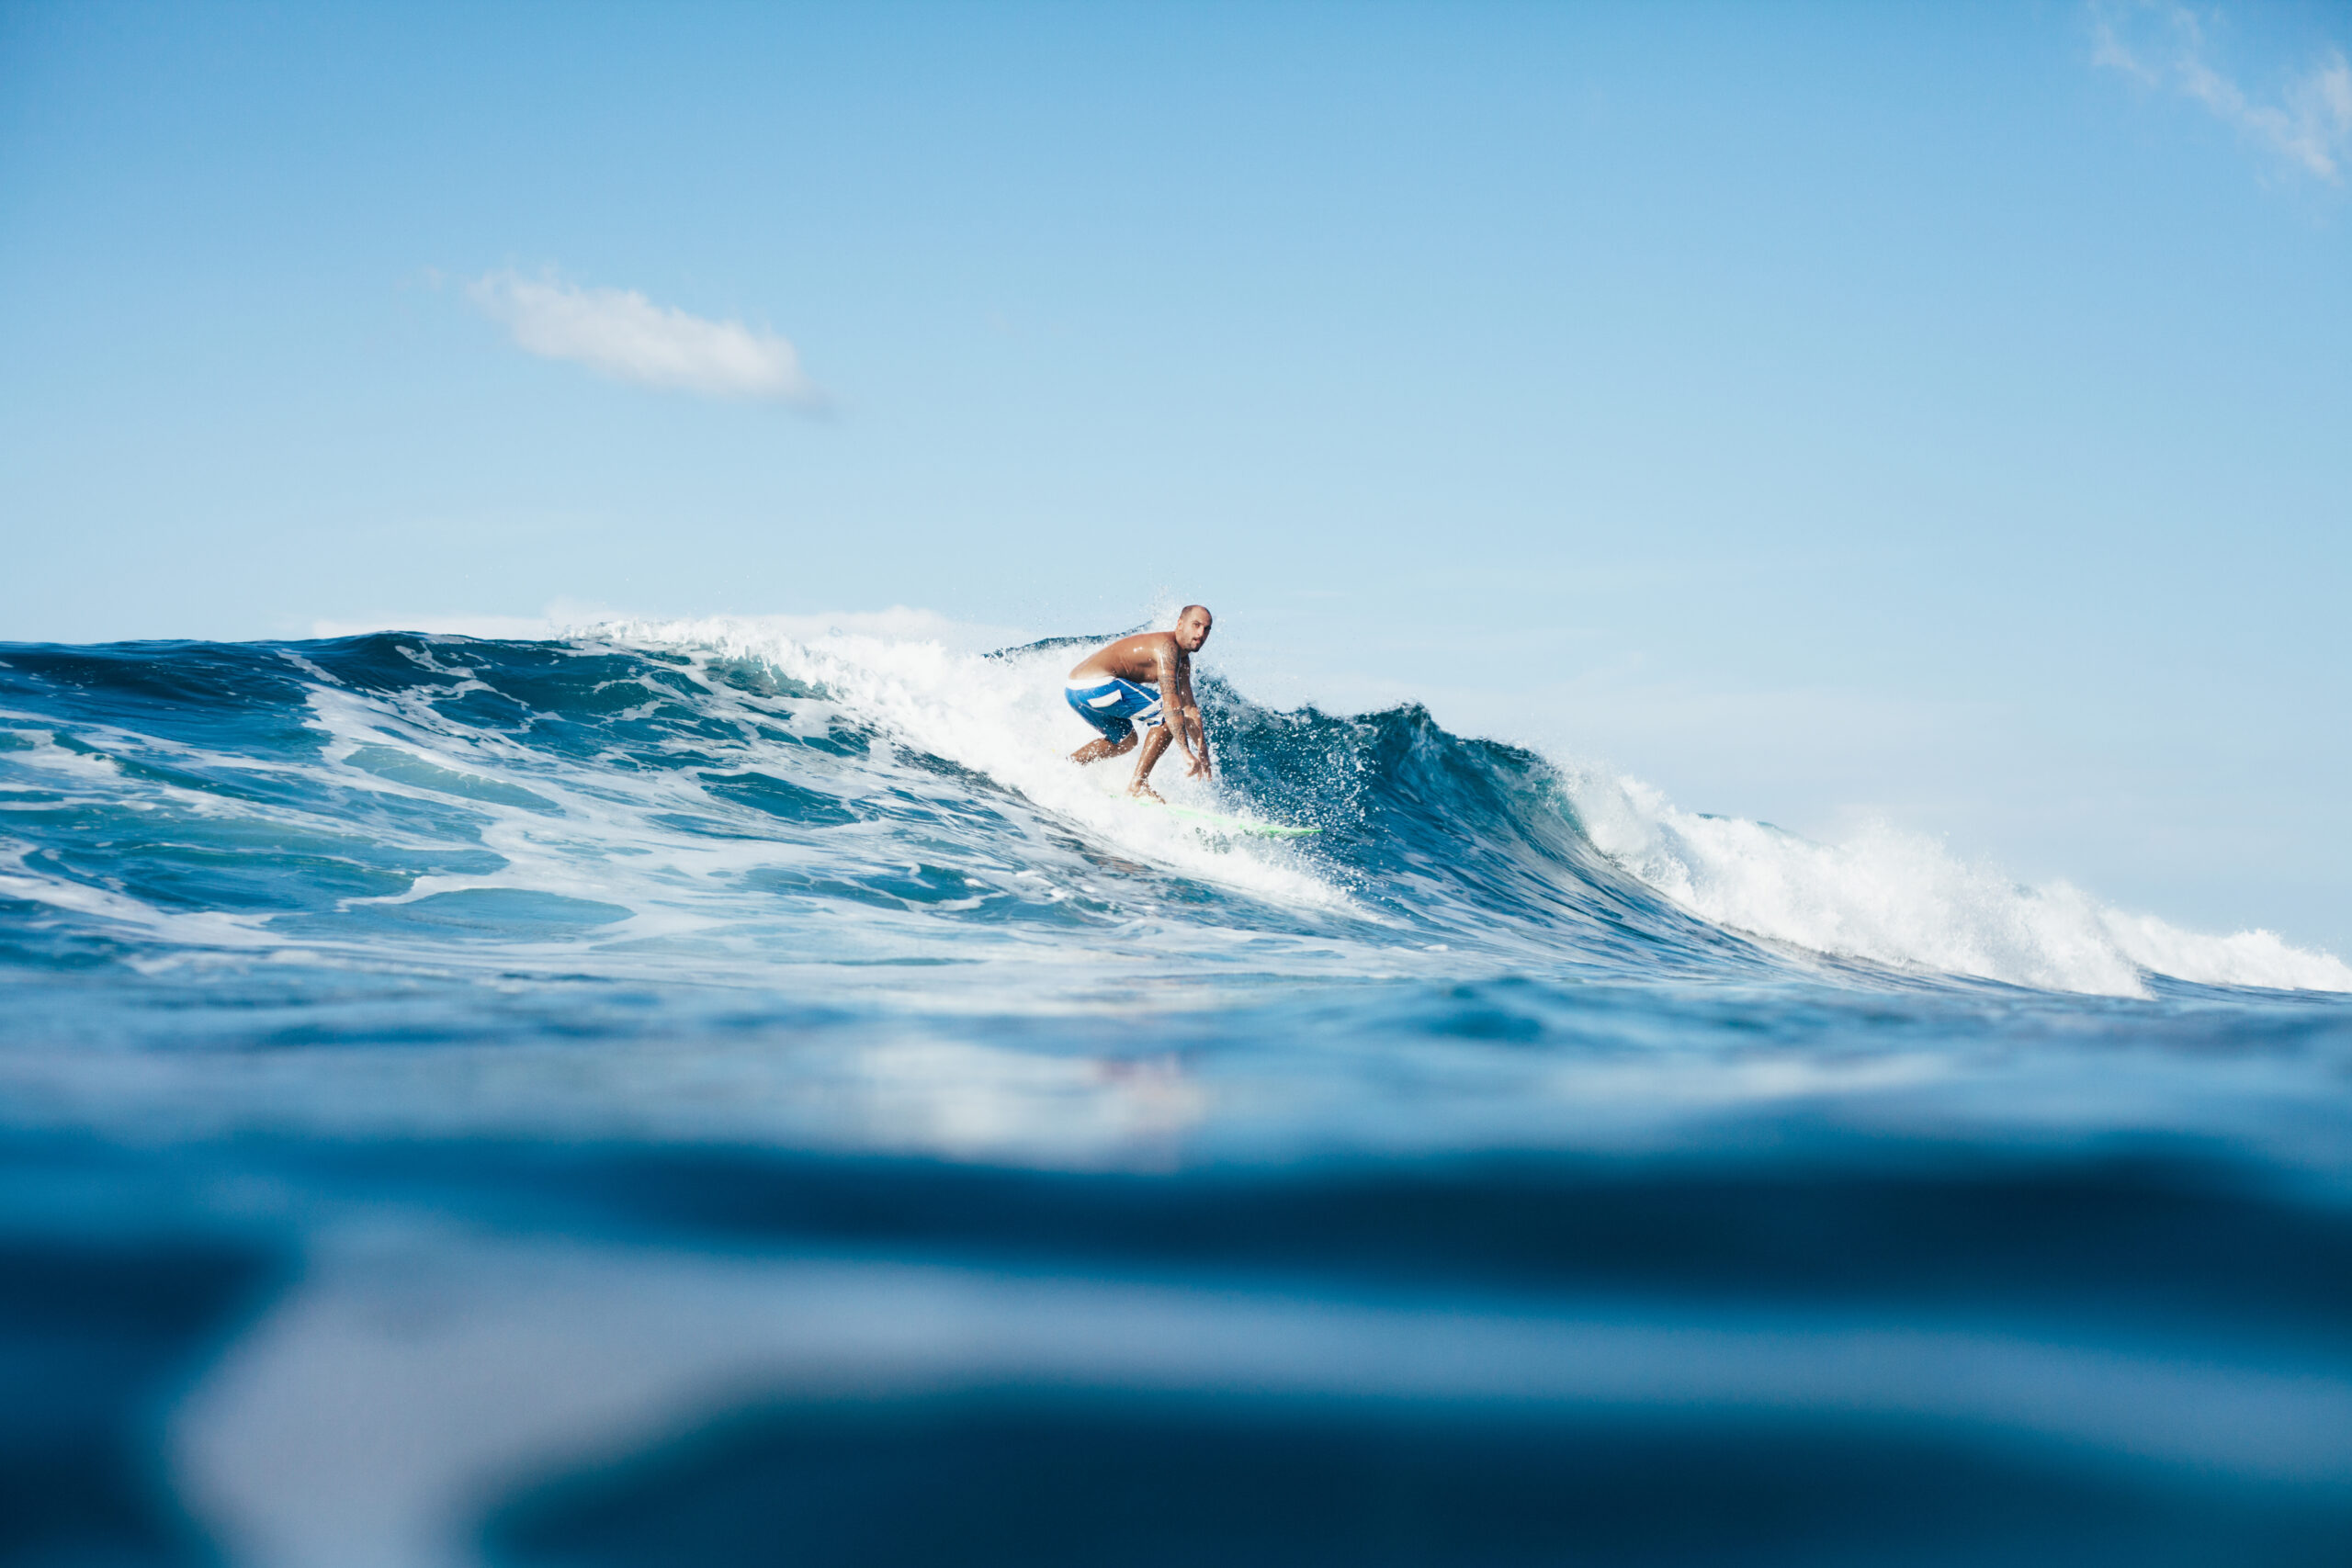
(1173, 691)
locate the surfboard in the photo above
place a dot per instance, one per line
(1214, 823)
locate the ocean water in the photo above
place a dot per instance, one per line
(695, 1094)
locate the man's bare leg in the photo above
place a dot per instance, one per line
(1154, 742)
(1098, 751)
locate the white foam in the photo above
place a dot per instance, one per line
(1903, 898)
(1004, 717)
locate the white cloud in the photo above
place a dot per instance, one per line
(623, 334)
(2161, 43)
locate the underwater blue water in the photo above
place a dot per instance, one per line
(693, 1095)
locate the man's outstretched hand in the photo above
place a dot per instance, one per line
(1198, 768)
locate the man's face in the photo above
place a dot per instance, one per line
(1193, 630)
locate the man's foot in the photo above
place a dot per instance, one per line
(1142, 791)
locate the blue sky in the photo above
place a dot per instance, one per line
(1938, 415)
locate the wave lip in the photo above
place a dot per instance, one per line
(1903, 899)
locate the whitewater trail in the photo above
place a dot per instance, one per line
(1003, 718)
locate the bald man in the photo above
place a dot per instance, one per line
(1144, 680)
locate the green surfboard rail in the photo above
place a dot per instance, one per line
(1233, 824)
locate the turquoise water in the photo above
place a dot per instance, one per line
(691, 1095)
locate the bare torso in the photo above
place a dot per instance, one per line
(1143, 659)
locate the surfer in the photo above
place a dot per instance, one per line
(1144, 680)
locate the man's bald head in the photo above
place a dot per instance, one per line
(1192, 624)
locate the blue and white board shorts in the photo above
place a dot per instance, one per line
(1111, 705)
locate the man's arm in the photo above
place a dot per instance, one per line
(1183, 711)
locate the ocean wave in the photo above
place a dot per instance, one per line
(727, 800)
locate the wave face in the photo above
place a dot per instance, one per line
(886, 1107)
